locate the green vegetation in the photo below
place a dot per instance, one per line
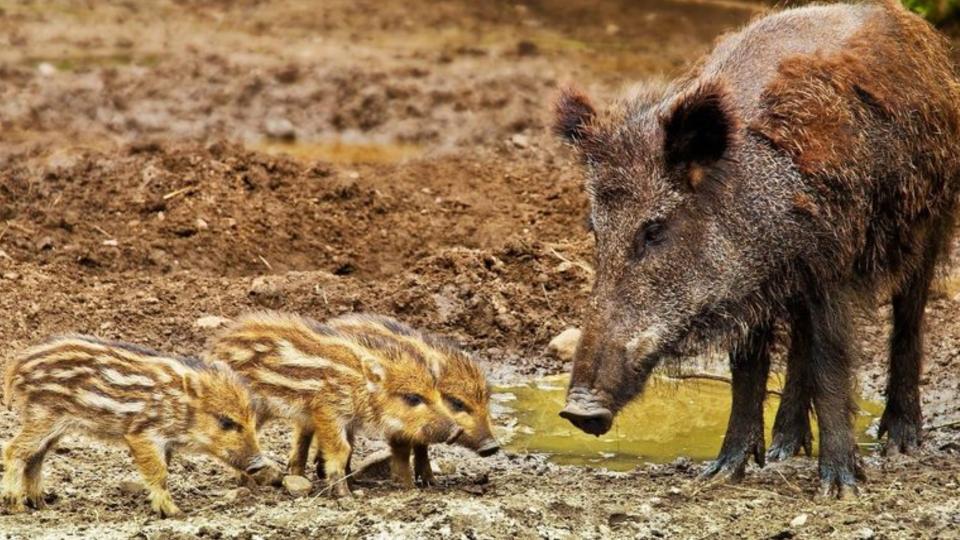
(935, 11)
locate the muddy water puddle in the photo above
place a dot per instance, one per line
(673, 418)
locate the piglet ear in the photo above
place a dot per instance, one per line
(699, 128)
(574, 114)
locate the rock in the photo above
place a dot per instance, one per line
(46, 69)
(210, 321)
(202, 225)
(865, 533)
(297, 486)
(280, 128)
(239, 494)
(520, 141)
(612, 29)
(565, 344)
(45, 243)
(129, 487)
(12, 276)
(799, 521)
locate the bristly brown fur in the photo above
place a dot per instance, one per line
(574, 113)
(825, 170)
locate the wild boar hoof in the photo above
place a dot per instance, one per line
(731, 464)
(903, 434)
(37, 502)
(790, 442)
(839, 481)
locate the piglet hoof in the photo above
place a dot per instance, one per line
(339, 489)
(425, 478)
(37, 502)
(13, 503)
(164, 506)
(903, 434)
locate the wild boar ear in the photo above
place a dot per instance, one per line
(574, 115)
(191, 386)
(699, 128)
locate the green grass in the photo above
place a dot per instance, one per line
(935, 11)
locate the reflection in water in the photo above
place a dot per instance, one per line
(673, 418)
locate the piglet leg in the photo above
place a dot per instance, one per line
(421, 465)
(153, 468)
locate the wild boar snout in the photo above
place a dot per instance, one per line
(586, 411)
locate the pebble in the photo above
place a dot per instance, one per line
(799, 521)
(565, 344)
(520, 141)
(46, 69)
(865, 533)
(280, 128)
(237, 494)
(210, 321)
(202, 225)
(297, 486)
(129, 487)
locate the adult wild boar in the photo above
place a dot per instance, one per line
(808, 163)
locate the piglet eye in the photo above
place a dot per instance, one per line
(413, 399)
(455, 404)
(651, 234)
(228, 424)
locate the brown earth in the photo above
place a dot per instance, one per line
(141, 189)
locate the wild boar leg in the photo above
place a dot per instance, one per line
(300, 449)
(791, 428)
(400, 463)
(749, 364)
(153, 469)
(333, 445)
(902, 420)
(23, 459)
(421, 465)
(831, 370)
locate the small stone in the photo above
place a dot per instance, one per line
(520, 141)
(799, 521)
(280, 128)
(202, 225)
(45, 243)
(865, 533)
(12, 276)
(564, 345)
(674, 491)
(46, 69)
(210, 321)
(236, 495)
(129, 487)
(111, 243)
(297, 486)
(612, 29)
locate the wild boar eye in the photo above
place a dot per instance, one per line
(457, 405)
(413, 399)
(228, 424)
(651, 234)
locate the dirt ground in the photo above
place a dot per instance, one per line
(143, 186)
